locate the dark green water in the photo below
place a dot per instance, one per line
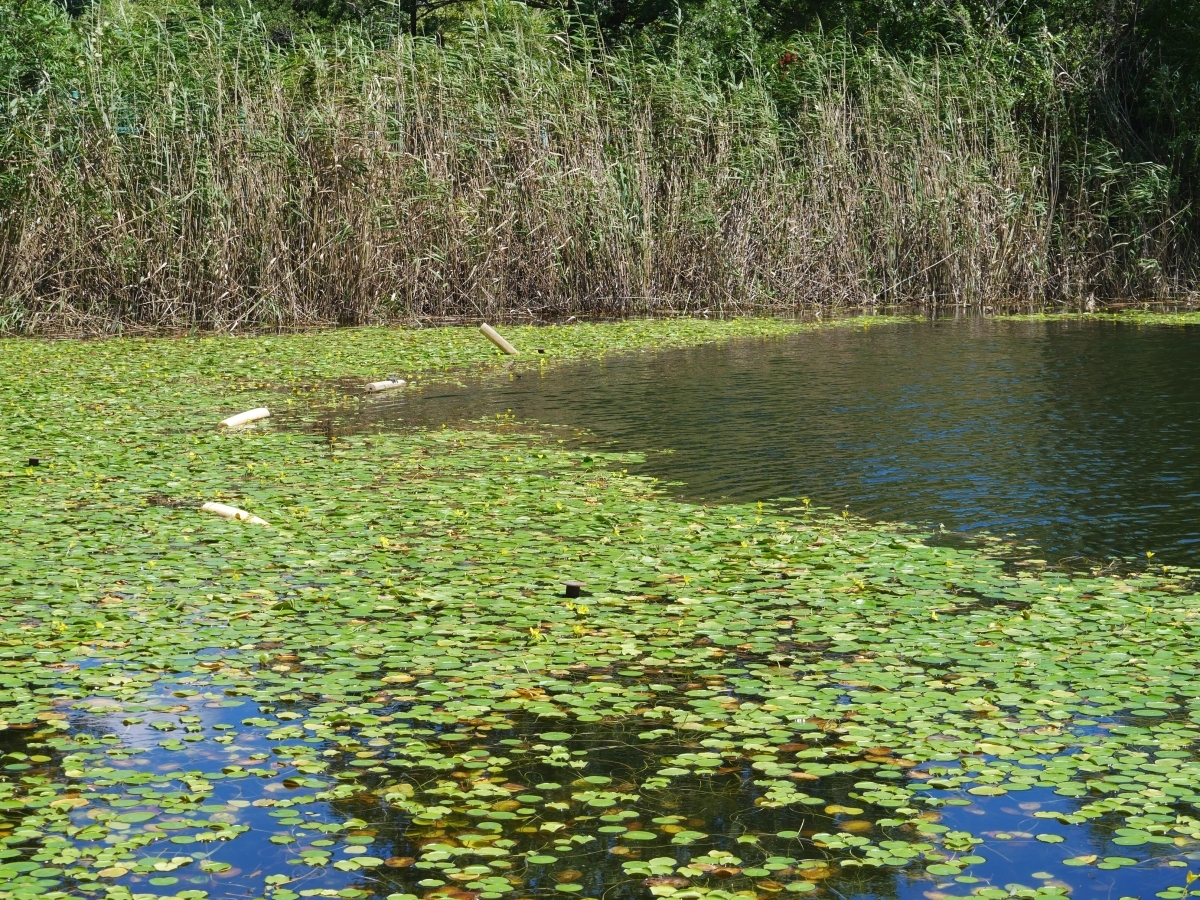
(1083, 437)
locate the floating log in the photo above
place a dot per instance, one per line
(494, 336)
(231, 512)
(250, 415)
(386, 385)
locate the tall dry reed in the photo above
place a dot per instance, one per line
(202, 178)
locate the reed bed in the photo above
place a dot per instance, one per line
(201, 176)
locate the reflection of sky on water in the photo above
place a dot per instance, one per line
(251, 854)
(724, 804)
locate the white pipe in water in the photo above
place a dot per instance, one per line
(376, 386)
(250, 415)
(231, 512)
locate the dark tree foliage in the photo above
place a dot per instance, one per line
(1151, 93)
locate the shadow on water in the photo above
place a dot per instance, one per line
(1082, 437)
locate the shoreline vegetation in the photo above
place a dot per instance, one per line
(384, 693)
(169, 166)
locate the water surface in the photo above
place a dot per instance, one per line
(1084, 437)
(808, 730)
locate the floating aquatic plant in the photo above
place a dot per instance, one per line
(386, 694)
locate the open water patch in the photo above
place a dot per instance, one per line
(1082, 437)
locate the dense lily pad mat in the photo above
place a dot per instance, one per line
(384, 693)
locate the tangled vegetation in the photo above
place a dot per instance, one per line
(384, 692)
(177, 165)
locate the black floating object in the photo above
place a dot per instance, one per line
(541, 349)
(34, 461)
(574, 588)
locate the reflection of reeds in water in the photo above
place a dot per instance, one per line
(204, 178)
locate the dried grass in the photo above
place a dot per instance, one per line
(205, 179)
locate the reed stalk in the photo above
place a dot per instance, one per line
(201, 177)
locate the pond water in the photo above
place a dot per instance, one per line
(724, 822)
(769, 705)
(1081, 436)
